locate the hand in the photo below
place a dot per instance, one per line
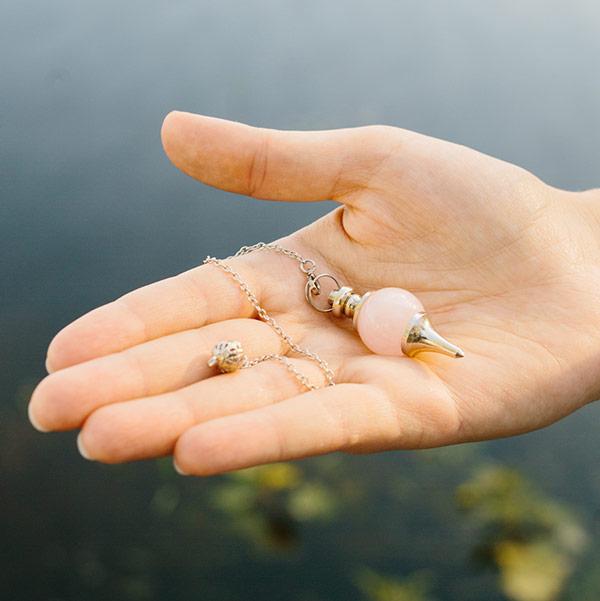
(506, 266)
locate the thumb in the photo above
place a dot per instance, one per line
(274, 164)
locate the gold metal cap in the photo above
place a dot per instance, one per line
(420, 336)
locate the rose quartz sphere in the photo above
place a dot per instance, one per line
(383, 318)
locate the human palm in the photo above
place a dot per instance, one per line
(505, 266)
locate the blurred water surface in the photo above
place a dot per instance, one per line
(90, 208)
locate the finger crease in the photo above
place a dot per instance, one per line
(257, 172)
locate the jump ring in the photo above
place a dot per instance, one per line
(307, 266)
(312, 285)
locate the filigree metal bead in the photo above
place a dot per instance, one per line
(227, 355)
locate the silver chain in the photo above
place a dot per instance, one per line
(288, 365)
(307, 266)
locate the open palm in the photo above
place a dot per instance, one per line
(505, 266)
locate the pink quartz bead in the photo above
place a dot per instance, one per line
(383, 318)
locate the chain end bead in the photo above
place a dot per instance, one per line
(228, 356)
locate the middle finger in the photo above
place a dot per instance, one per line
(64, 399)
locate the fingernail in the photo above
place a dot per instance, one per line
(178, 469)
(82, 450)
(34, 421)
(49, 368)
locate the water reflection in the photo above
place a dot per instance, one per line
(532, 541)
(267, 504)
(426, 526)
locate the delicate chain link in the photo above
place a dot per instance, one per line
(288, 365)
(308, 267)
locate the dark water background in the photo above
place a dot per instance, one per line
(90, 208)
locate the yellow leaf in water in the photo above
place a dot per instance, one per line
(279, 476)
(532, 572)
(311, 501)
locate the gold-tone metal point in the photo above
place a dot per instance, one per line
(420, 337)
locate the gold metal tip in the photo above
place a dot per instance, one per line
(420, 337)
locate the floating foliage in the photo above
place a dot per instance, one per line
(531, 540)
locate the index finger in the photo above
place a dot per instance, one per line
(202, 295)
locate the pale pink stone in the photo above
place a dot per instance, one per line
(383, 319)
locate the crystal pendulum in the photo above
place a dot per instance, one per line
(390, 321)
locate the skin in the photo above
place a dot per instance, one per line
(506, 266)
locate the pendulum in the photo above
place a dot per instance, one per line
(390, 321)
